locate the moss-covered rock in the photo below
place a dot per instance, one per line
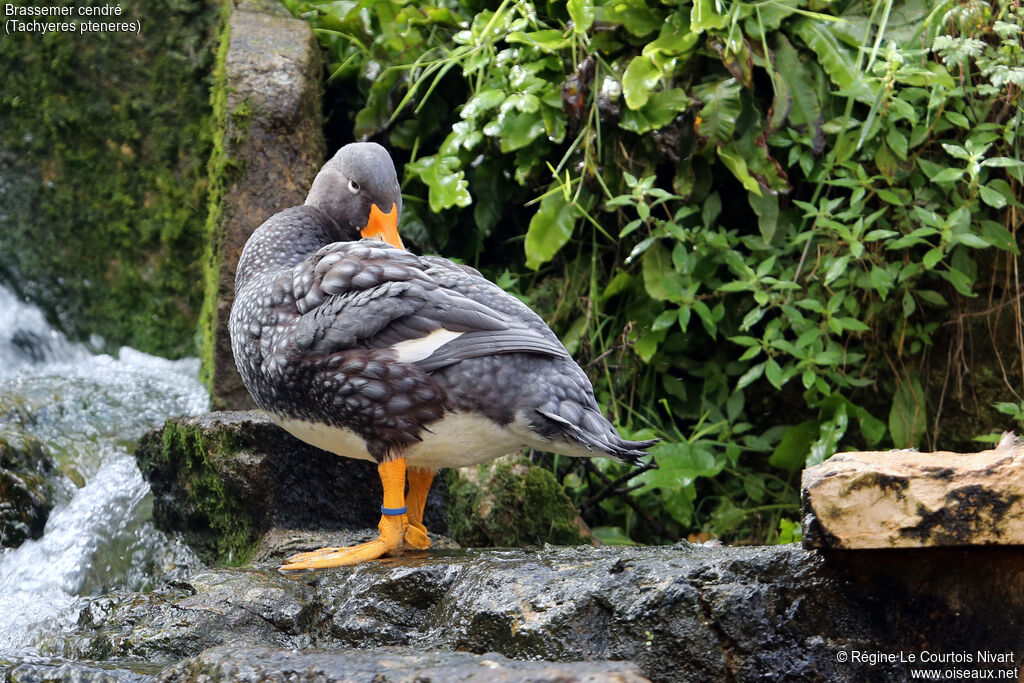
(225, 479)
(511, 502)
(26, 492)
(267, 147)
(103, 153)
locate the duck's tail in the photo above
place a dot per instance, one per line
(597, 435)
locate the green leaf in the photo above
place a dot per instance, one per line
(837, 60)
(791, 453)
(675, 39)
(448, 186)
(738, 166)
(638, 81)
(750, 376)
(612, 535)
(582, 14)
(932, 257)
(660, 110)
(897, 143)
(660, 279)
(550, 228)
(948, 175)
(993, 198)
(998, 236)
(907, 417)
(703, 17)
(519, 129)
(805, 106)
(829, 434)
(721, 107)
(548, 40)
(836, 269)
(960, 282)
(636, 15)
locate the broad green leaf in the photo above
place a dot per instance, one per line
(660, 279)
(993, 198)
(998, 236)
(948, 175)
(636, 15)
(446, 180)
(805, 107)
(550, 228)
(519, 129)
(907, 415)
(791, 453)
(639, 80)
(721, 107)
(675, 40)
(837, 60)
(661, 109)
(960, 282)
(703, 17)
(582, 14)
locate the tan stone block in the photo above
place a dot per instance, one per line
(909, 499)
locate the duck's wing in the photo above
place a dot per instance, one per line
(429, 314)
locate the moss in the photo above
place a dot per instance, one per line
(26, 493)
(511, 503)
(213, 520)
(104, 148)
(217, 171)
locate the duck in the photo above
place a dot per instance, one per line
(358, 346)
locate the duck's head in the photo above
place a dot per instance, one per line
(359, 189)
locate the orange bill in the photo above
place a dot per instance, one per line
(383, 226)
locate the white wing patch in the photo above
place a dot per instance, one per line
(412, 350)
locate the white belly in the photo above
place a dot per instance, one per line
(456, 440)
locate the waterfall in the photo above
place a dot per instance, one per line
(88, 410)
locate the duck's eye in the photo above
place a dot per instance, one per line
(353, 186)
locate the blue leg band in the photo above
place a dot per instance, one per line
(393, 511)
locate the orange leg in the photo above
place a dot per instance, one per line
(419, 486)
(393, 525)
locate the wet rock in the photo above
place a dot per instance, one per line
(681, 613)
(225, 479)
(510, 502)
(269, 150)
(903, 499)
(26, 493)
(220, 607)
(67, 672)
(389, 665)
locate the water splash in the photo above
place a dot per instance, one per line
(89, 410)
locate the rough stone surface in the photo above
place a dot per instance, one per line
(271, 149)
(681, 613)
(56, 671)
(224, 479)
(389, 665)
(905, 499)
(26, 494)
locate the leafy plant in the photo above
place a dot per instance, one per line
(750, 221)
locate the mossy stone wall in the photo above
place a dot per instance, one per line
(104, 141)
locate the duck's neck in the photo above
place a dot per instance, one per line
(286, 240)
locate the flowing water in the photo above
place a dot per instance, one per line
(88, 409)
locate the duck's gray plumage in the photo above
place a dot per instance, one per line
(365, 337)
